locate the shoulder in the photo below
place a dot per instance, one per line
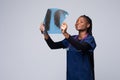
(90, 39)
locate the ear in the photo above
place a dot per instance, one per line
(88, 25)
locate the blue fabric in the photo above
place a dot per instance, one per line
(79, 66)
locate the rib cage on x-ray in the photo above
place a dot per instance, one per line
(53, 20)
(57, 16)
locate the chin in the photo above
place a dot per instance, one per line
(78, 29)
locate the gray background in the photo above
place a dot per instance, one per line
(24, 55)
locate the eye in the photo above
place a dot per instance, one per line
(81, 22)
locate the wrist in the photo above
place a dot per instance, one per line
(66, 35)
(46, 36)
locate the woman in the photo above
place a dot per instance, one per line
(80, 49)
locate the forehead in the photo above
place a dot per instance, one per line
(82, 18)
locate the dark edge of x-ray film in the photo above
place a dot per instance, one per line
(53, 20)
(47, 20)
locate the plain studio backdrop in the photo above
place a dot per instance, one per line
(24, 55)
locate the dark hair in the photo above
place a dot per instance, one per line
(89, 30)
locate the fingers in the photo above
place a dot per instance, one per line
(64, 23)
(64, 27)
(42, 28)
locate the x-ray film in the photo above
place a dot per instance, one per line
(53, 20)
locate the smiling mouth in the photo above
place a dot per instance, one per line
(77, 26)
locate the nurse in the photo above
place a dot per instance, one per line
(80, 49)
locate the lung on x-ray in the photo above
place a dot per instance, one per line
(53, 20)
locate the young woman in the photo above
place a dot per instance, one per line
(80, 49)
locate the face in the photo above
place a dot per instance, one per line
(81, 24)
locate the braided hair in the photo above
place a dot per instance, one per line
(89, 30)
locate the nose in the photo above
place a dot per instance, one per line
(78, 23)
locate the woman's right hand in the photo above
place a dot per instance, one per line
(42, 28)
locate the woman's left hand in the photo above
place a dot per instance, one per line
(64, 28)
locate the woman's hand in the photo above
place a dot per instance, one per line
(42, 28)
(64, 28)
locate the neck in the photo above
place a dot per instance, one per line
(82, 34)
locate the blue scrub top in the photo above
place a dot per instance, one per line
(80, 65)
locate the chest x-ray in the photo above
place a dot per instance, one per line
(53, 20)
